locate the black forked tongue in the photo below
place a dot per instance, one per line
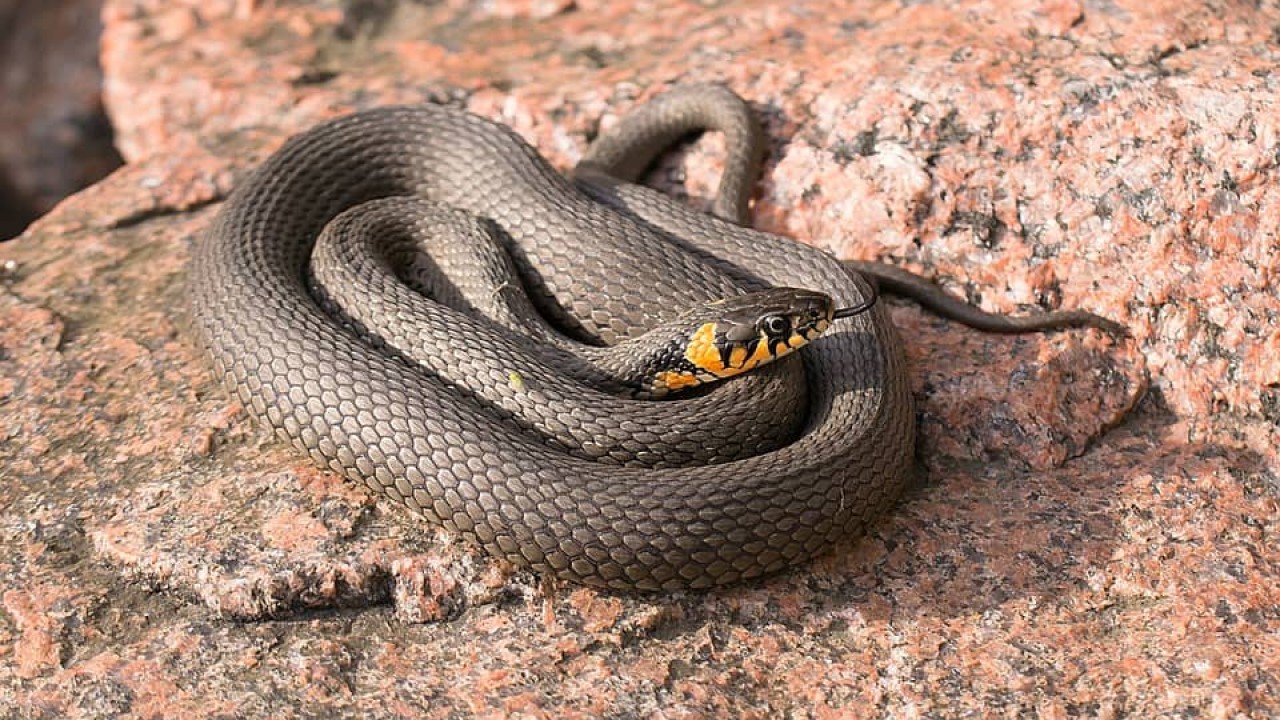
(866, 305)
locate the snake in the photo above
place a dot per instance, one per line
(496, 417)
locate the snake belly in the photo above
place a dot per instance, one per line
(412, 436)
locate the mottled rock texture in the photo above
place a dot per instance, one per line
(1095, 532)
(54, 136)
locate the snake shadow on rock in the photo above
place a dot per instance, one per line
(974, 536)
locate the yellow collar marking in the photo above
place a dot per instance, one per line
(705, 354)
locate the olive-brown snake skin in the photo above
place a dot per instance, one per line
(618, 258)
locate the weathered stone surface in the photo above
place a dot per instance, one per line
(1063, 556)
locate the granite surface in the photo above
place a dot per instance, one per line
(1094, 533)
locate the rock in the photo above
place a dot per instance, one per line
(1091, 535)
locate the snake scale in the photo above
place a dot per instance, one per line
(608, 259)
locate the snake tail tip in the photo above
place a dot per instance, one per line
(855, 310)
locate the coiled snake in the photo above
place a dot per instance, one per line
(488, 438)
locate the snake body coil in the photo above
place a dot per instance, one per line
(605, 271)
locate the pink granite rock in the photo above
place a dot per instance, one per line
(1066, 555)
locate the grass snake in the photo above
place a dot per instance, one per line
(489, 426)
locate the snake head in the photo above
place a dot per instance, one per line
(732, 336)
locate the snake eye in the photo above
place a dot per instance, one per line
(775, 325)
